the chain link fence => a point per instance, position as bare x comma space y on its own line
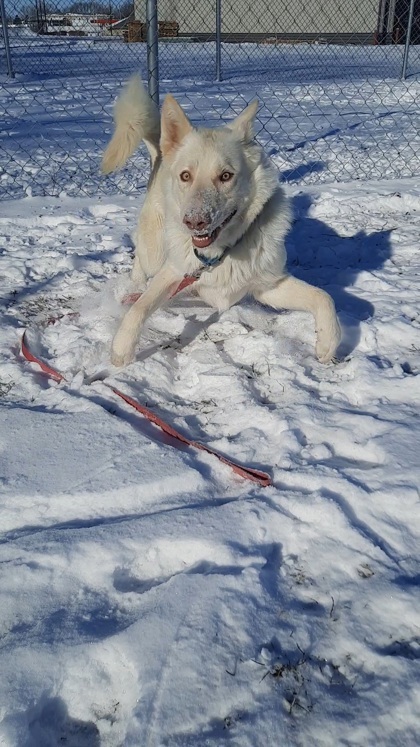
338, 101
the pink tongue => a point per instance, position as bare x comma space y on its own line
202, 242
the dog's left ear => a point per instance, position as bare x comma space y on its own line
243, 125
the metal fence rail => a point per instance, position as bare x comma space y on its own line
337, 83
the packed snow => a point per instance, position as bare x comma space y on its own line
149, 596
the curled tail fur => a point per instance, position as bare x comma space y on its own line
136, 118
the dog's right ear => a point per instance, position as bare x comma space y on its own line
175, 125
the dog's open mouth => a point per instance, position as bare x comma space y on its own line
202, 240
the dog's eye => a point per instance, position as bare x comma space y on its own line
226, 176
185, 176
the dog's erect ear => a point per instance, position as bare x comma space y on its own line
243, 125
175, 125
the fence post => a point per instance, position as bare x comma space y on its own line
152, 49
407, 40
218, 40
10, 71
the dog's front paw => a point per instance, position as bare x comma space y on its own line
328, 340
122, 352
120, 360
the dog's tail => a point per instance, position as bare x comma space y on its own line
136, 118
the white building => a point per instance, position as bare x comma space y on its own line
326, 20
75, 24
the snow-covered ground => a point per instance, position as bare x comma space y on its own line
148, 596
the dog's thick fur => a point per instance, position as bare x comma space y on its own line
210, 189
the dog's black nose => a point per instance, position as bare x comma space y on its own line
197, 223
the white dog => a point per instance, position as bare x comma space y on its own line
215, 209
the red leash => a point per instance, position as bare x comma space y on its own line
255, 475
133, 297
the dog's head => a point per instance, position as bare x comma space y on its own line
210, 171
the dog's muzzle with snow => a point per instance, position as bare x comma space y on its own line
200, 227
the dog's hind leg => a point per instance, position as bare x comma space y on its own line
290, 293
138, 276
149, 255
161, 288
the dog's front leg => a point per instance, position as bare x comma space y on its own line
291, 293
161, 287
